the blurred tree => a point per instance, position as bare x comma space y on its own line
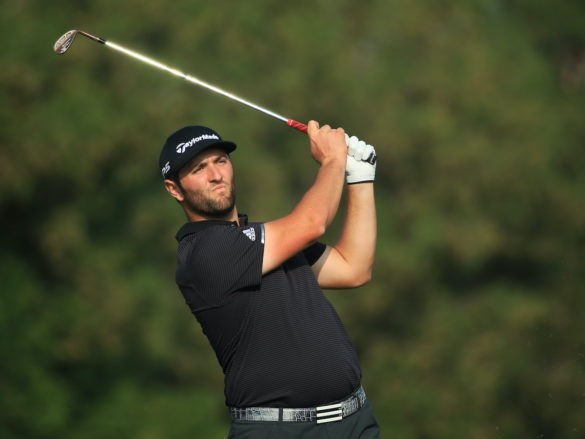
472, 324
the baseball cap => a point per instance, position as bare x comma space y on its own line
186, 143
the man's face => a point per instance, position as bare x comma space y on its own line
207, 183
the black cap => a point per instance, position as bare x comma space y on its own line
186, 143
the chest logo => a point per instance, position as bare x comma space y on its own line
250, 233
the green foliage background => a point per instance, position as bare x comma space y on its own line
473, 324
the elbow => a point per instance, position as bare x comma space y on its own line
361, 278
317, 228
365, 278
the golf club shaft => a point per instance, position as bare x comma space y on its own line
290, 122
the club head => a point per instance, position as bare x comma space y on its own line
63, 43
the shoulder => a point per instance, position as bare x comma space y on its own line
220, 241
221, 257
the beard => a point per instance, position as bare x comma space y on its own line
205, 204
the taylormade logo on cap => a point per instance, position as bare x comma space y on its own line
181, 147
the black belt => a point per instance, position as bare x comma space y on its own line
326, 413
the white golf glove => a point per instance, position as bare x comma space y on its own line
361, 161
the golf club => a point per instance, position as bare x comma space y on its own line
64, 42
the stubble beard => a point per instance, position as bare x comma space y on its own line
200, 203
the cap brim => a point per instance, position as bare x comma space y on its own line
226, 145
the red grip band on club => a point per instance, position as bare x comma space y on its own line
297, 125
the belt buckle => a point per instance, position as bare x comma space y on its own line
329, 413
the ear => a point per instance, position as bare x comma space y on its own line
174, 189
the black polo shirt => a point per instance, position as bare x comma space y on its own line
277, 337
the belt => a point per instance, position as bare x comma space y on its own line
325, 413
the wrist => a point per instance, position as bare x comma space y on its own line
356, 183
334, 162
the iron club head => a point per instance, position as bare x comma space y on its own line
63, 43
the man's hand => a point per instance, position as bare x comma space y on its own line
361, 161
326, 143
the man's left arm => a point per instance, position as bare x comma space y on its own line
349, 263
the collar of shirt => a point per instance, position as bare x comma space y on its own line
198, 226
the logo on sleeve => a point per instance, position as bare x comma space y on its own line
250, 233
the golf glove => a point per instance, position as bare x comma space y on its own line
361, 161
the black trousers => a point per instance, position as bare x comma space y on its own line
360, 425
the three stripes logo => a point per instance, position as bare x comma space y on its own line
329, 413
250, 233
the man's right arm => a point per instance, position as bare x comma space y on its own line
312, 215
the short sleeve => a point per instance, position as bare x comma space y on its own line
314, 252
220, 261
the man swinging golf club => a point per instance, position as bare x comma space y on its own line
255, 288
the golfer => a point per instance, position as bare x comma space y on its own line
256, 288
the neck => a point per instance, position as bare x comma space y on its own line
231, 216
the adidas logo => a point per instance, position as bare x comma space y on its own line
250, 233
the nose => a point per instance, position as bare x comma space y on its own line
213, 173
